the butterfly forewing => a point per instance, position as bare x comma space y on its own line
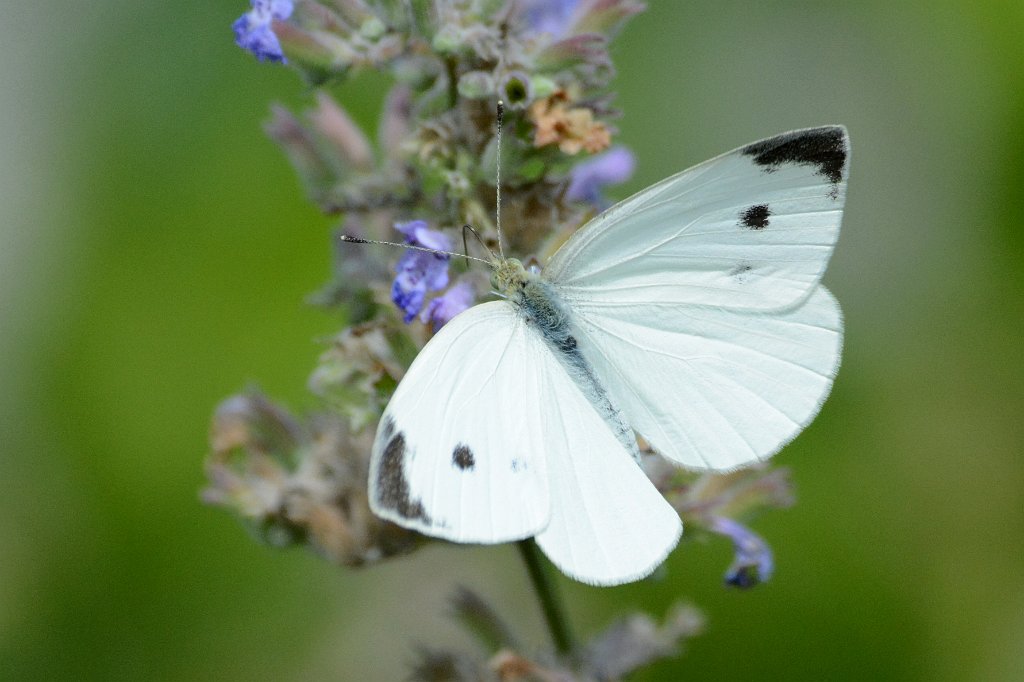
489, 439
752, 229
459, 452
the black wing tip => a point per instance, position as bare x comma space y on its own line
826, 147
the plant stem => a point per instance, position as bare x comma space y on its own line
452, 67
550, 601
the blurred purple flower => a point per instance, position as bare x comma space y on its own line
753, 563
549, 16
449, 304
418, 271
253, 32
588, 178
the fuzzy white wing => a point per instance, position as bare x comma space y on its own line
698, 300
488, 439
713, 388
459, 452
752, 229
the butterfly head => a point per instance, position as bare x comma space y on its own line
509, 275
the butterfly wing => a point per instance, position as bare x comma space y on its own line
488, 439
697, 301
459, 452
752, 229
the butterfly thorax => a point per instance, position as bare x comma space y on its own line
537, 300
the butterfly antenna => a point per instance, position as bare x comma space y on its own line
359, 240
497, 185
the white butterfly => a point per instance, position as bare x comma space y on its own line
691, 313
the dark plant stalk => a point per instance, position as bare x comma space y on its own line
550, 600
452, 68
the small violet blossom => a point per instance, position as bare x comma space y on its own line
418, 271
253, 31
549, 16
449, 304
753, 563
589, 177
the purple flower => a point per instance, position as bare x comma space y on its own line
589, 177
549, 16
449, 304
753, 563
253, 32
418, 271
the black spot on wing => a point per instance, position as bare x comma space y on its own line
462, 457
822, 147
392, 488
755, 217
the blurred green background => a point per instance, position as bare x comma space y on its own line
156, 248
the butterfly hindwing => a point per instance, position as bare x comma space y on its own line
712, 388
459, 452
752, 229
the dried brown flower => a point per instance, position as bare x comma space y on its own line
573, 129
